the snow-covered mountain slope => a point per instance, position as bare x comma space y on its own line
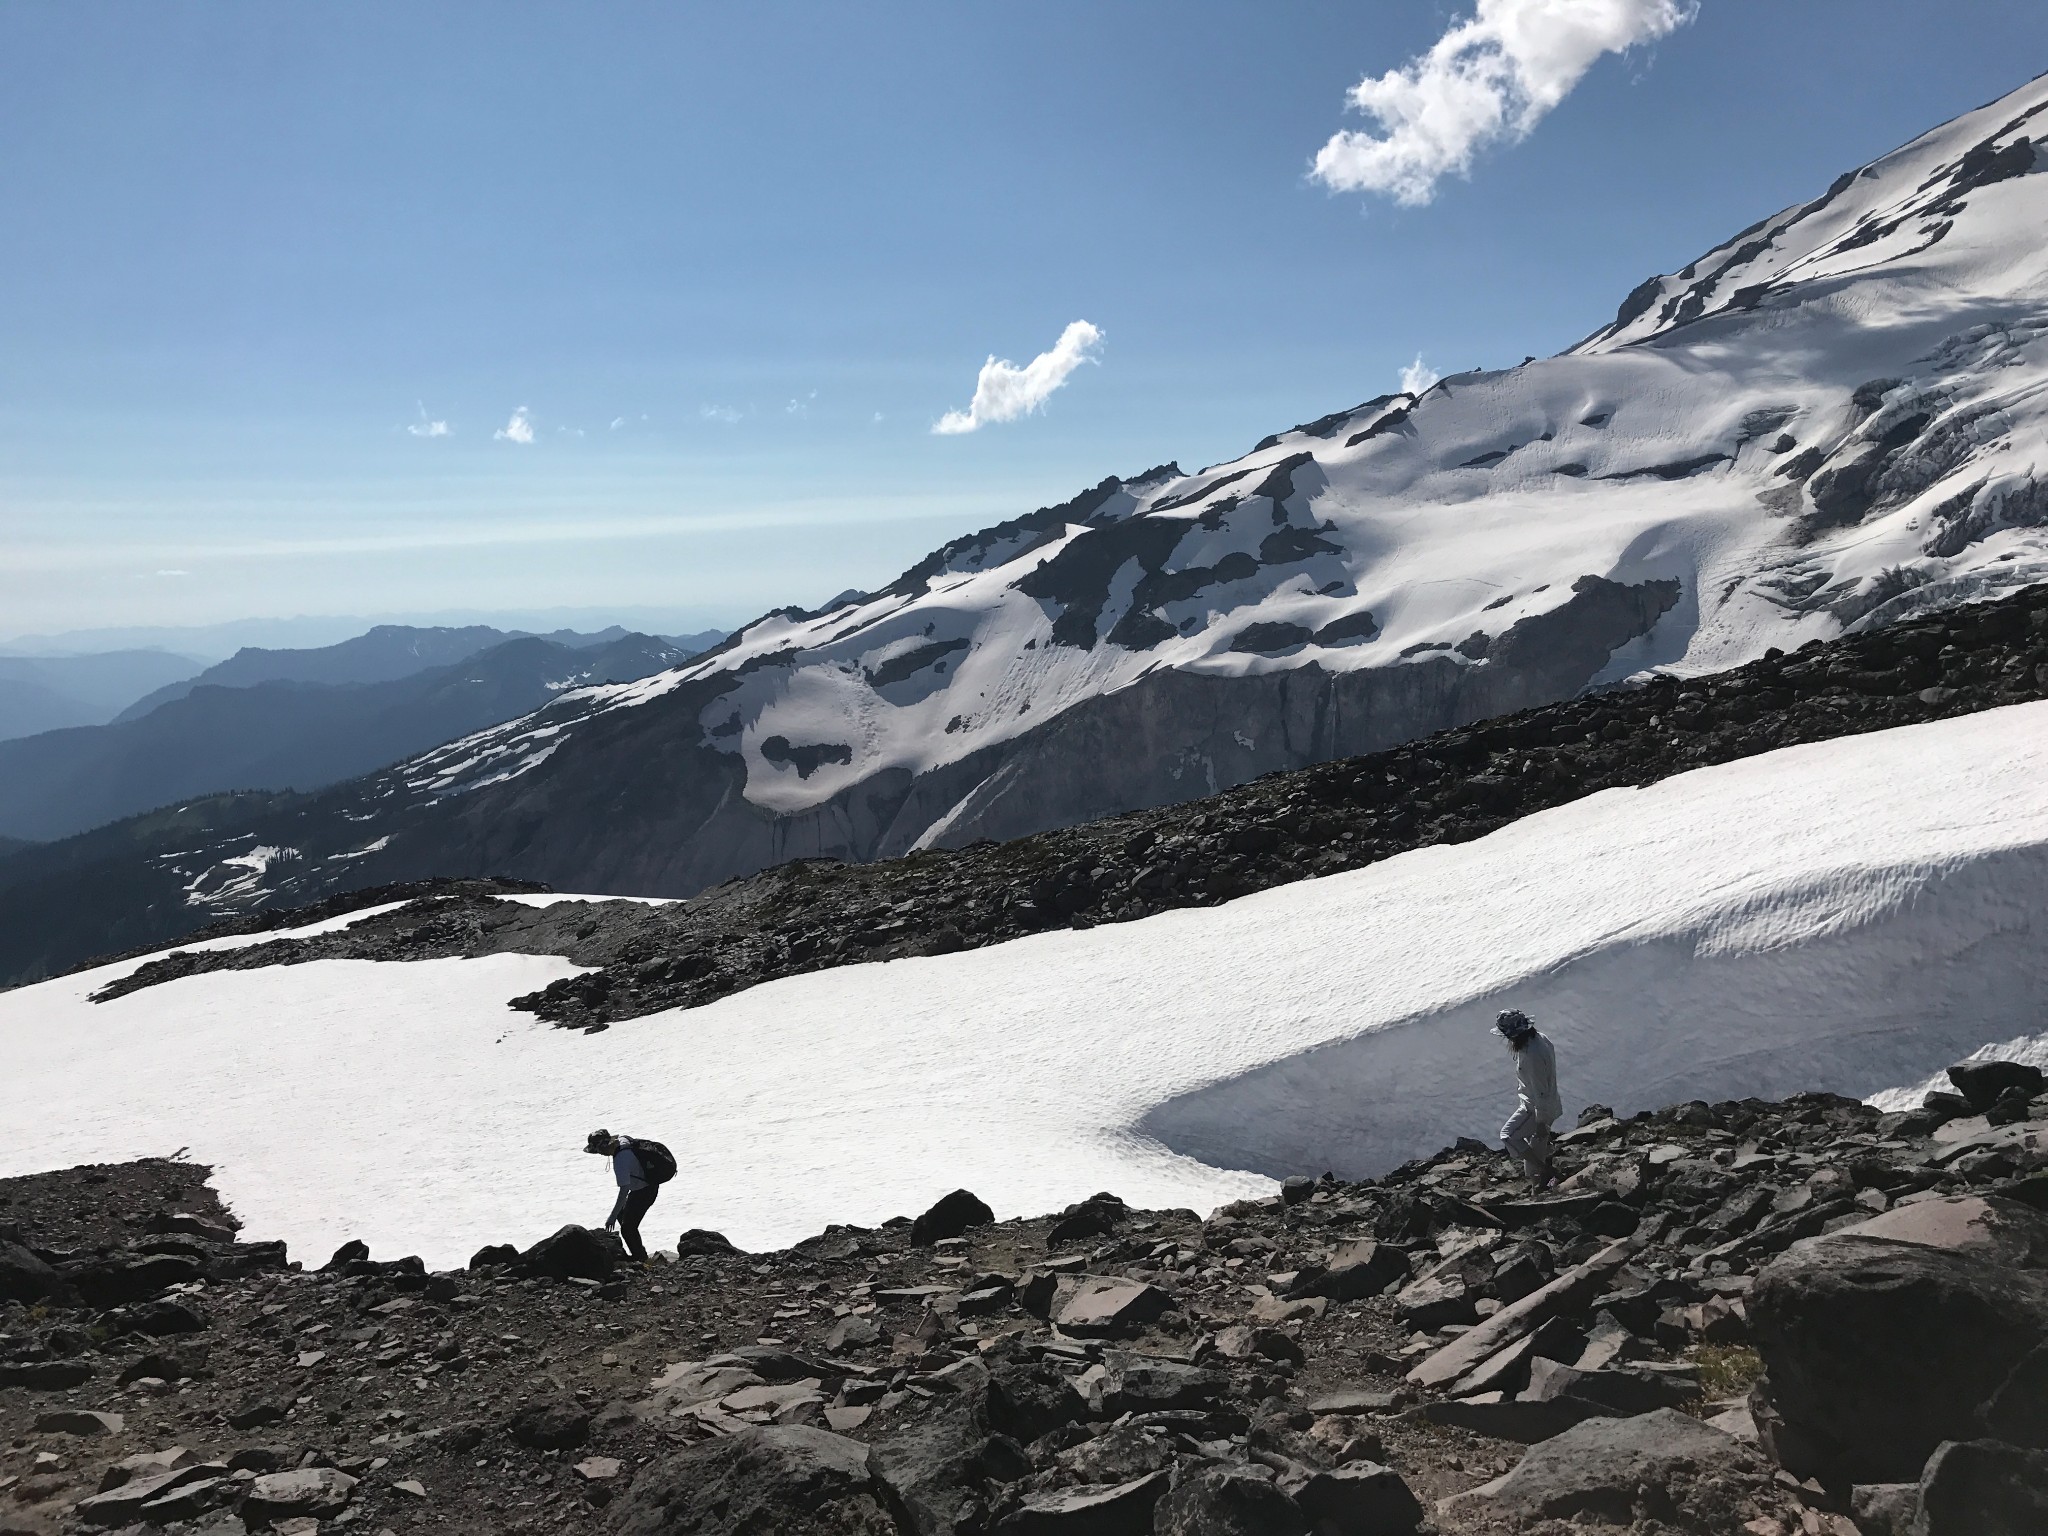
1795, 920
1838, 418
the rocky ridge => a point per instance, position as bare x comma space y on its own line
1747, 1317
1451, 787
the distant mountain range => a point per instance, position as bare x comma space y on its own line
1831, 421
46, 690
49, 693
300, 719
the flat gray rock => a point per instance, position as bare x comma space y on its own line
315, 1491
1596, 1468
1987, 1225
1501, 1418
1103, 1305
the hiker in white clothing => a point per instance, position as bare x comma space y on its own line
1527, 1133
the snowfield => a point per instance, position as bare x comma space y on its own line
1851, 915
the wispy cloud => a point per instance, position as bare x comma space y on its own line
570, 431
518, 430
425, 428
801, 405
1418, 376
1490, 78
174, 573
724, 413
1003, 392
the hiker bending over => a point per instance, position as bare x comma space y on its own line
641, 1167
1527, 1133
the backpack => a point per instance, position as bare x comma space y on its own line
656, 1161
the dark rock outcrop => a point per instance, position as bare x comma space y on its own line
791, 1480
952, 1215
1840, 1322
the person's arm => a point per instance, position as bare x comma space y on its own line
631, 1176
1549, 1105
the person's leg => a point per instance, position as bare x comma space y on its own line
1514, 1136
1536, 1153
629, 1221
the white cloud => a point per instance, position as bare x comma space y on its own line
426, 428
1489, 78
570, 431
617, 422
724, 413
518, 430
174, 573
1004, 391
801, 405
1418, 376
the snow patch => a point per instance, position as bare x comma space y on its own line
1848, 915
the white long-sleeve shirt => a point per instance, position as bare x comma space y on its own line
1536, 1073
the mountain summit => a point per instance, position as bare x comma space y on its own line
1832, 421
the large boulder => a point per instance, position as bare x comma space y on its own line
1983, 1488
1361, 1499
1228, 1501
1124, 1509
1142, 1384
312, 1492
950, 1217
1603, 1469
790, 1480
1878, 1351
1026, 1401
573, 1253
551, 1424
938, 1464
116, 1283
26, 1278
1981, 1082
1097, 1216
1358, 1270
45, 1375
1122, 1453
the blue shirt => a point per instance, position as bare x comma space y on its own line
626, 1167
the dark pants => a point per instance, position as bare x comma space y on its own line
634, 1204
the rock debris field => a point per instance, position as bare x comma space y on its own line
1449, 788
1743, 1317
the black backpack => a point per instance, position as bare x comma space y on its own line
656, 1161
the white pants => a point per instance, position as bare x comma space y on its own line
1529, 1139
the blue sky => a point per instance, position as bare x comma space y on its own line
247, 246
